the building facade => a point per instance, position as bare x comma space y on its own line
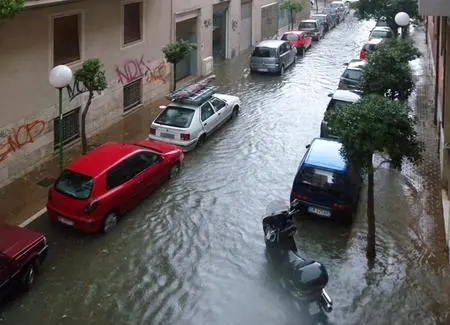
437, 13
128, 37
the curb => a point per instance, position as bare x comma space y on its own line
33, 217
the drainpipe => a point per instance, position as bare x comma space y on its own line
437, 27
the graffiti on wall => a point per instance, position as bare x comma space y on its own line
135, 69
21, 136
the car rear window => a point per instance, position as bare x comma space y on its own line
179, 117
334, 103
265, 52
369, 47
307, 25
380, 34
289, 37
353, 74
323, 180
76, 185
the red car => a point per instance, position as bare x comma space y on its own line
298, 39
369, 47
22, 251
94, 191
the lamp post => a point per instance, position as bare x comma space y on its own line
59, 77
402, 20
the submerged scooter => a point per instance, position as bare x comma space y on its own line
309, 276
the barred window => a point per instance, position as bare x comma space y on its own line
71, 132
132, 95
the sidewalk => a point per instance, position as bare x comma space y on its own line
27, 196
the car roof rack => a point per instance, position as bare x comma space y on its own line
194, 94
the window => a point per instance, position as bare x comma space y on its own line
117, 176
66, 39
178, 117
265, 52
132, 22
325, 180
76, 185
132, 95
307, 25
135, 165
207, 111
290, 37
71, 129
218, 103
149, 158
353, 74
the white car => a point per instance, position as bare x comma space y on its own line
194, 113
381, 32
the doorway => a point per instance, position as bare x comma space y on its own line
220, 20
187, 30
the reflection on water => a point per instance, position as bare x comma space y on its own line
194, 252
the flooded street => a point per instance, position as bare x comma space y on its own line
193, 253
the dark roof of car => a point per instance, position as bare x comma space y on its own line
325, 153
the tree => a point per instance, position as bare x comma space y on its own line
375, 9
176, 52
89, 79
293, 7
388, 72
375, 125
10, 8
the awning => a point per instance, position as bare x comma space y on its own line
434, 7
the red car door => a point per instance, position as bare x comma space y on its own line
155, 171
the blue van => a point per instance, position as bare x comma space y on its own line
326, 185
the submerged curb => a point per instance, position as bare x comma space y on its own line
33, 217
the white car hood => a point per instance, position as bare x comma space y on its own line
227, 98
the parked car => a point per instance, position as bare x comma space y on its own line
351, 79
298, 39
381, 22
381, 32
341, 9
324, 19
92, 192
312, 27
192, 116
326, 185
22, 252
333, 13
338, 99
273, 56
370, 47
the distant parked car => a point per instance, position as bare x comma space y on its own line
341, 8
312, 27
339, 99
92, 192
381, 32
298, 39
273, 56
370, 47
22, 252
351, 79
333, 13
193, 115
324, 19
326, 185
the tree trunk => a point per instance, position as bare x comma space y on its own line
83, 123
370, 253
174, 85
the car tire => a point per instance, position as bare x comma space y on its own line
303, 51
200, 141
281, 72
29, 277
175, 170
235, 112
109, 222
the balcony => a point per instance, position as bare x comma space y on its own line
434, 7
45, 3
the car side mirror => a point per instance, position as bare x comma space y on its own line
330, 95
161, 107
307, 146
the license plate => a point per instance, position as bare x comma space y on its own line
319, 212
167, 135
263, 70
65, 221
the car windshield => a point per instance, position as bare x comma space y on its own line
353, 74
179, 117
380, 34
323, 179
369, 47
307, 25
334, 103
76, 185
289, 37
265, 52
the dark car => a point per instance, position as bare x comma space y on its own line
312, 27
326, 184
22, 251
334, 15
351, 79
325, 20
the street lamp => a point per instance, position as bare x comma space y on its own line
60, 76
402, 20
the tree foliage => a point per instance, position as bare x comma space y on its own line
292, 7
176, 52
90, 79
375, 125
388, 72
10, 8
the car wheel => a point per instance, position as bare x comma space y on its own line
29, 277
175, 170
281, 72
200, 141
303, 50
235, 112
109, 222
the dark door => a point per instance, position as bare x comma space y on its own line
155, 171
220, 31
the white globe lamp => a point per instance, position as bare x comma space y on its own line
402, 19
60, 76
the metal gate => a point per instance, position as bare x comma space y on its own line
246, 25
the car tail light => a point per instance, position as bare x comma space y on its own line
152, 131
91, 207
342, 207
300, 197
185, 136
50, 195
362, 55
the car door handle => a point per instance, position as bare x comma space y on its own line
204, 124
219, 114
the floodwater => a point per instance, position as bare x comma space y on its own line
193, 253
